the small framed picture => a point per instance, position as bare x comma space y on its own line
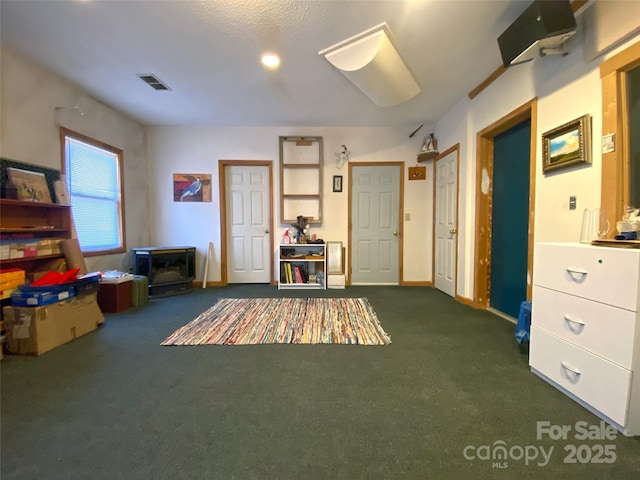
30, 186
337, 183
194, 187
567, 145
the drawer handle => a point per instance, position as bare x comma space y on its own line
577, 322
575, 272
571, 369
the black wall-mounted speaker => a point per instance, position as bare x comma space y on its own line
544, 24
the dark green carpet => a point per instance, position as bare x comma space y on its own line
114, 404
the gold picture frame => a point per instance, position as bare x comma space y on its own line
567, 145
335, 260
30, 186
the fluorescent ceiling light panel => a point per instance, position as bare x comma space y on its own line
373, 64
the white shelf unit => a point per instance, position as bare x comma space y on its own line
301, 179
585, 328
310, 258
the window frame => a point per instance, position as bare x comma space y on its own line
615, 120
67, 133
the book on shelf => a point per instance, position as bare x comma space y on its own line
298, 274
304, 273
291, 272
288, 270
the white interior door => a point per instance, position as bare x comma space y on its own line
248, 212
446, 219
375, 211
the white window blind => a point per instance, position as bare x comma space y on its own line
93, 181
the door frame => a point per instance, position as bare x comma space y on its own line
455, 148
615, 120
483, 214
222, 189
400, 165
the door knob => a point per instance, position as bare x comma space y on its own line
266, 231
452, 231
395, 233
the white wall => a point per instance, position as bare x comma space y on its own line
566, 88
197, 150
30, 133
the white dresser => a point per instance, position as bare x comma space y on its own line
585, 327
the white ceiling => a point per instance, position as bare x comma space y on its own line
208, 53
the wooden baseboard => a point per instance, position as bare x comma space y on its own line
466, 301
416, 284
198, 284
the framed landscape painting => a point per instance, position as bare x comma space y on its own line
567, 145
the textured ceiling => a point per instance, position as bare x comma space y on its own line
208, 53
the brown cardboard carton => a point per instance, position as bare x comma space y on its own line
53, 265
36, 330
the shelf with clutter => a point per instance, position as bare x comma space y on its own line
429, 150
302, 265
301, 258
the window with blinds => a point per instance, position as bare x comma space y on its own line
93, 176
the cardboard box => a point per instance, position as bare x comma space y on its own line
335, 281
7, 293
49, 247
23, 249
15, 252
11, 278
16, 274
36, 330
53, 265
36, 298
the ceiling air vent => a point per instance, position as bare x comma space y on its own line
153, 81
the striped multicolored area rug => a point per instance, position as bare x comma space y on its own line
252, 321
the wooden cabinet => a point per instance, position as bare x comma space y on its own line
30, 232
302, 266
585, 327
301, 179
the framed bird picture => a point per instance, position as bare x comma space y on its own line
191, 187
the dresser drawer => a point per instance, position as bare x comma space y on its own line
602, 329
598, 382
604, 274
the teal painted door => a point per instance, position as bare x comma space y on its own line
510, 219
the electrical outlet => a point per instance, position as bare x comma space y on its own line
572, 202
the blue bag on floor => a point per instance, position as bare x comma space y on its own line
524, 322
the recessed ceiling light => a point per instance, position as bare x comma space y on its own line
270, 60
